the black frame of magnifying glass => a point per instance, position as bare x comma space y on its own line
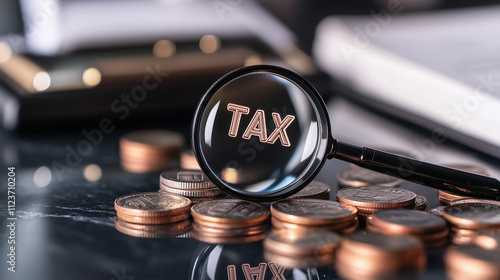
321, 152
435, 176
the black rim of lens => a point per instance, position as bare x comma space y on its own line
308, 174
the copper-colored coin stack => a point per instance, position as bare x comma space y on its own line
361, 177
368, 200
308, 214
229, 221
147, 151
301, 249
315, 189
188, 160
445, 197
193, 184
466, 219
152, 214
430, 229
370, 255
472, 262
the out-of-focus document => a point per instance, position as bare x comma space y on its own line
439, 69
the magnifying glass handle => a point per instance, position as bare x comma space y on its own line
431, 175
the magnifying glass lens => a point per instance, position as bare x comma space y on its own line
261, 133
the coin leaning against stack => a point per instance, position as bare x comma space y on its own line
229, 221
430, 229
138, 213
370, 255
368, 200
152, 150
193, 184
308, 214
301, 249
466, 219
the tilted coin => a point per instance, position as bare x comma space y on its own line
314, 189
150, 204
291, 242
437, 210
376, 197
360, 177
312, 211
230, 211
473, 215
420, 202
186, 179
407, 221
193, 193
476, 200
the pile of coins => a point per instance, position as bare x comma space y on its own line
308, 214
193, 184
152, 214
430, 229
361, 177
315, 189
370, 255
301, 249
466, 219
368, 200
147, 151
229, 221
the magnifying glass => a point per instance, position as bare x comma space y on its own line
262, 133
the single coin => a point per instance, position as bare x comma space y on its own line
476, 200
449, 197
473, 215
300, 243
474, 261
420, 202
230, 211
425, 237
241, 231
279, 224
155, 227
314, 189
361, 177
227, 240
186, 179
152, 204
376, 197
156, 232
402, 221
154, 220
193, 193
469, 168
488, 239
309, 211
152, 139
188, 160
380, 244
437, 210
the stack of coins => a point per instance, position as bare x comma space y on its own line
445, 197
430, 229
301, 249
308, 214
188, 160
150, 150
370, 255
152, 214
193, 184
472, 262
420, 202
315, 189
229, 221
368, 200
361, 177
466, 219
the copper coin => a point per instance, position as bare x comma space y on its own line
152, 139
186, 223
376, 197
361, 177
227, 240
488, 239
425, 237
152, 220
420, 202
156, 233
473, 215
186, 179
230, 211
402, 221
300, 243
449, 197
143, 167
193, 193
152, 204
379, 244
476, 200
302, 262
279, 224
230, 232
473, 260
309, 211
314, 189
188, 160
